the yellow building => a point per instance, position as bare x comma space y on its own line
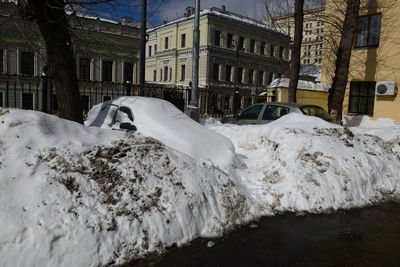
262, 56
373, 76
313, 33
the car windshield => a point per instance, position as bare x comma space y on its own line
251, 113
316, 111
273, 112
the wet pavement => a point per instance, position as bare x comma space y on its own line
360, 237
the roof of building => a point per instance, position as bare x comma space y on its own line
303, 85
214, 11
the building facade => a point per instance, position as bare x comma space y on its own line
235, 53
106, 57
373, 74
313, 33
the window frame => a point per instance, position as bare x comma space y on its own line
183, 40
217, 37
106, 77
28, 70
369, 16
370, 97
84, 69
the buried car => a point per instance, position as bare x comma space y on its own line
266, 112
161, 120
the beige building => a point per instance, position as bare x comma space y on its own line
262, 55
313, 34
374, 76
106, 57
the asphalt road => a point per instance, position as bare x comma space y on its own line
359, 237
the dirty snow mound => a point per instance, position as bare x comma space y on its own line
78, 196
301, 163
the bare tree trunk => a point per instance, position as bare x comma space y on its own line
52, 22
337, 92
296, 50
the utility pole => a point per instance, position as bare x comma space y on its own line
143, 38
236, 92
193, 108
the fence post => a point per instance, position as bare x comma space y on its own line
128, 88
45, 81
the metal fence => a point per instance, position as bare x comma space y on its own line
38, 93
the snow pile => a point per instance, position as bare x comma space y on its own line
85, 196
300, 163
78, 196
367, 122
303, 85
163, 121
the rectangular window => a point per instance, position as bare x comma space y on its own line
262, 48
27, 101
269, 78
170, 74
261, 78
271, 50
128, 72
228, 73
183, 40
165, 73
161, 75
149, 50
154, 75
85, 103
280, 52
183, 72
166, 43
155, 48
217, 38
84, 69
240, 75
362, 97
241, 43
229, 41
251, 76
216, 72
252, 46
368, 31
27, 63
107, 71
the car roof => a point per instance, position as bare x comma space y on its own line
290, 105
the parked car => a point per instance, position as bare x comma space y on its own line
266, 112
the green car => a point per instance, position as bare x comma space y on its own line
266, 112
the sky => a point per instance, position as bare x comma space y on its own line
160, 10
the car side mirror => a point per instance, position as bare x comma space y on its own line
127, 126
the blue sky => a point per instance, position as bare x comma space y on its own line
159, 10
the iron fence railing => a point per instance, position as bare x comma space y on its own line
38, 93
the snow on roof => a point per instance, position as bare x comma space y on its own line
303, 85
223, 14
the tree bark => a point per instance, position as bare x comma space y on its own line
339, 83
296, 50
51, 19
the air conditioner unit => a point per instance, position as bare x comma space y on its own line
386, 88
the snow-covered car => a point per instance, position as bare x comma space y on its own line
161, 120
266, 112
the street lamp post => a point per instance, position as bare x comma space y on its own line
193, 108
236, 92
143, 46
